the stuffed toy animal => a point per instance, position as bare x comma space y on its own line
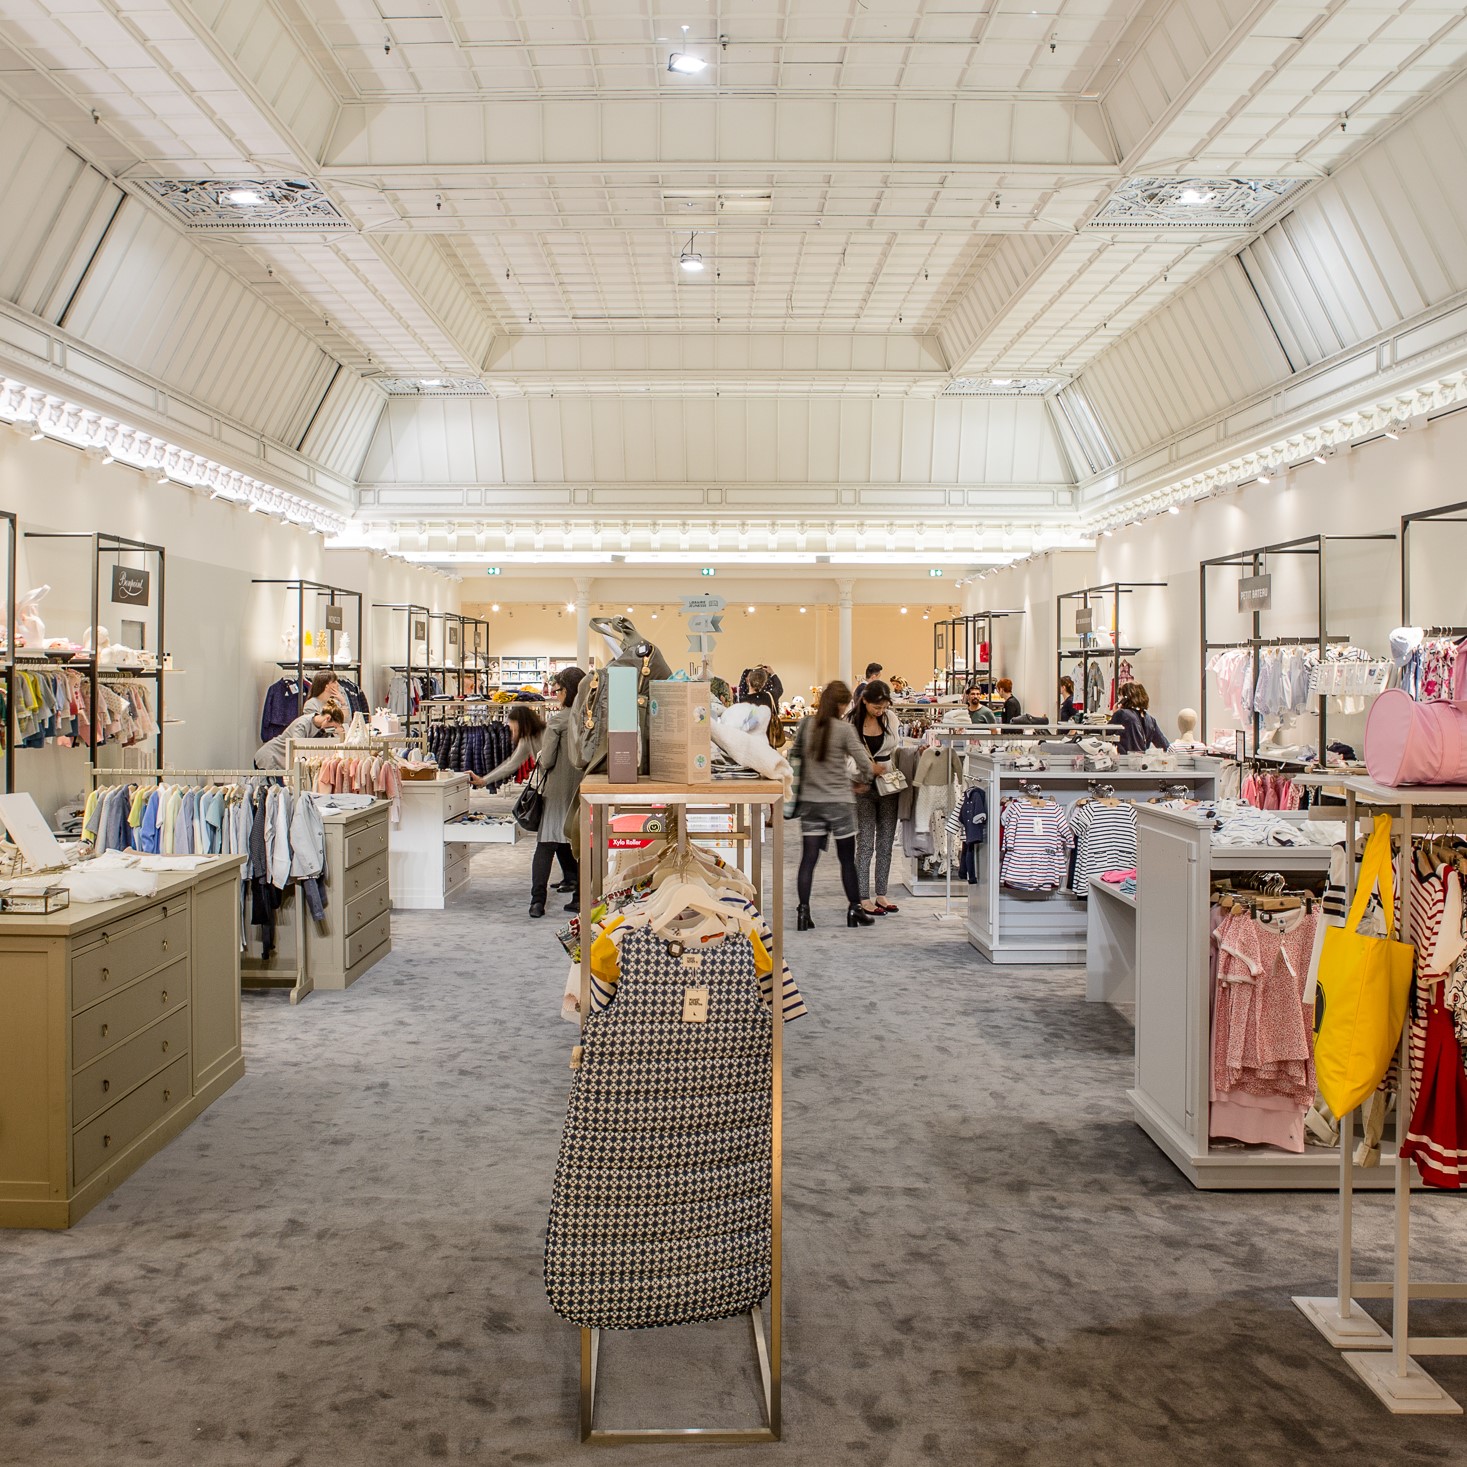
30, 630
742, 732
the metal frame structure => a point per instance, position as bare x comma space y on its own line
301, 663
1255, 562
747, 799
1086, 654
1386, 1361
1447, 514
7, 652
408, 667
945, 637
116, 545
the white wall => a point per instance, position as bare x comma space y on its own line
1364, 492
224, 633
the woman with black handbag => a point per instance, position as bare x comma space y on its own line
551, 791
876, 803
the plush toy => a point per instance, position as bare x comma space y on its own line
30, 630
742, 732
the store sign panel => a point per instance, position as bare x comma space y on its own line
703, 603
1084, 619
335, 618
1255, 593
130, 587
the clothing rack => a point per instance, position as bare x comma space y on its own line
305, 667
747, 799
966, 635
1253, 563
1387, 1362
1088, 652
1446, 514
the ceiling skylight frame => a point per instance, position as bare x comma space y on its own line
291, 204
1190, 204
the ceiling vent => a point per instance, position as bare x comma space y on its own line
1175, 204
1001, 386
246, 203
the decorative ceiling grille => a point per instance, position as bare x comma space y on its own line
1193, 203
246, 203
432, 387
1000, 386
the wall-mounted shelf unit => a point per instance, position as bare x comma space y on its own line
326, 613
1077, 649
963, 651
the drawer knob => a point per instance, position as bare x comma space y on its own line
167, 1096
104, 1031
106, 1086
106, 1140
165, 911
106, 937
165, 944
165, 995
165, 1046
106, 974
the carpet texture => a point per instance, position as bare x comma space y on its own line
985, 1260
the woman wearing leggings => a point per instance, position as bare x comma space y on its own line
828, 801
876, 814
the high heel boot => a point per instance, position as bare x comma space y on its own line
803, 921
858, 916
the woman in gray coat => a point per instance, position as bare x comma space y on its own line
545, 740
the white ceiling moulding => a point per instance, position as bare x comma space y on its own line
290, 204
42, 415
431, 386
1388, 418
1002, 386
1173, 205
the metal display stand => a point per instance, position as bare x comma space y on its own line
1387, 1362
962, 639
1255, 563
117, 548
409, 667
1447, 514
302, 665
1171, 1101
1021, 927
748, 799
8, 526
1070, 659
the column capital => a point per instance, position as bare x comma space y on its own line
583, 588
847, 590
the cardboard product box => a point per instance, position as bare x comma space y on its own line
680, 732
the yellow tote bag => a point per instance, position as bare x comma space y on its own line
1363, 986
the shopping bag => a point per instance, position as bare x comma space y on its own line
1364, 983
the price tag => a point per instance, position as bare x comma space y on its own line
695, 1005
1038, 826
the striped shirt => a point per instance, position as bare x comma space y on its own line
1036, 840
1105, 840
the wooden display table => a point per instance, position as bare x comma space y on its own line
121, 1024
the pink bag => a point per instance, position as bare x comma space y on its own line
1407, 742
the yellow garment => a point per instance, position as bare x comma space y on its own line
139, 800
606, 957
87, 813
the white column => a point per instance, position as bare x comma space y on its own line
583, 622
843, 662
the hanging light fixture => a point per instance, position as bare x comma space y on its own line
681, 62
690, 260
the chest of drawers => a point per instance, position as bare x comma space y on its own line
426, 868
356, 931
121, 1024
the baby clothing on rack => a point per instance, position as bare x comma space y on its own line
1035, 840
1105, 839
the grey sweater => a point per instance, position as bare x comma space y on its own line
828, 780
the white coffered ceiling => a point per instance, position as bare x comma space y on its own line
888, 196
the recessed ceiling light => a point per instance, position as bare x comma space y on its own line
495, 607
687, 65
1265, 479
245, 196
1174, 509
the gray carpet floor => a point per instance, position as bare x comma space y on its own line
986, 1261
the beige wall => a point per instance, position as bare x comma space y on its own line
802, 647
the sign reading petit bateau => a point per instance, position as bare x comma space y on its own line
130, 587
1255, 593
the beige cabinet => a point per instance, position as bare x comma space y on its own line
427, 865
356, 931
121, 1023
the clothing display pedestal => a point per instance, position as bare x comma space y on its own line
1009, 926
356, 932
1110, 947
428, 867
121, 1025
1171, 1099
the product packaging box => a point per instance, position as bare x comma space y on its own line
623, 744
679, 733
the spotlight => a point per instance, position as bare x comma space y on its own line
1265, 478
690, 260
495, 607
685, 64
37, 436
1174, 509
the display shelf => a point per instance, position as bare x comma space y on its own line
958, 644
316, 606
1171, 1099
1111, 596
138, 574
1254, 563
427, 867
1110, 947
1009, 926
416, 647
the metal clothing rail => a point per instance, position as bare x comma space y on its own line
1254, 562
1446, 514
747, 799
1386, 1362
1087, 653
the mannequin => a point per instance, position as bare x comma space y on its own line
1186, 741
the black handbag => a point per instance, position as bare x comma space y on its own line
529, 809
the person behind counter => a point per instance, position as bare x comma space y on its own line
978, 710
1067, 710
1139, 730
324, 722
1012, 708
